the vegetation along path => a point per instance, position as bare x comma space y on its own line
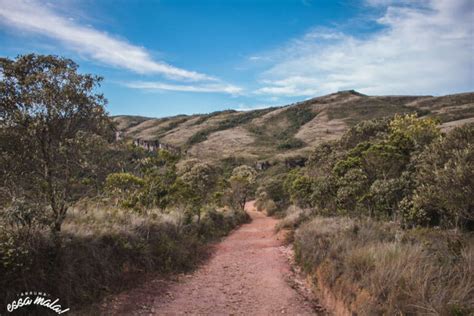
248, 274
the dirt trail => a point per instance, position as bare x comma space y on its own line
245, 276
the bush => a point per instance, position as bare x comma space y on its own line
365, 131
379, 163
298, 186
445, 183
273, 188
291, 143
270, 207
216, 224
124, 188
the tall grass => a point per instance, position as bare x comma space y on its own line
103, 250
378, 269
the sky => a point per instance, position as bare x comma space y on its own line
168, 57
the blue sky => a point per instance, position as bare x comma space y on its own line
163, 58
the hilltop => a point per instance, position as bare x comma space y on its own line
280, 132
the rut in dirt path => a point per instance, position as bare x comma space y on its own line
246, 275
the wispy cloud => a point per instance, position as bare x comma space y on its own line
34, 17
204, 87
425, 47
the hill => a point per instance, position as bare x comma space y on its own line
281, 132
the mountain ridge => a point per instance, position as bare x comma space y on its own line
285, 131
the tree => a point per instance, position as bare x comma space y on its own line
48, 111
195, 187
124, 187
242, 185
273, 189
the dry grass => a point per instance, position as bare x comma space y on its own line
321, 129
335, 112
180, 135
446, 127
127, 121
102, 247
226, 143
294, 217
377, 268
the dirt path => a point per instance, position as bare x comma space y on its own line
245, 276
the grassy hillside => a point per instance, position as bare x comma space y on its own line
277, 133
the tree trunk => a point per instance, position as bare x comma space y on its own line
57, 224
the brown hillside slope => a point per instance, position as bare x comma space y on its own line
278, 133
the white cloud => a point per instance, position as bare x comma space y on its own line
377, 3
33, 17
290, 86
244, 107
205, 87
424, 49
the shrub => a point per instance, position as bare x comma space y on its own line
124, 188
365, 131
273, 188
445, 182
298, 187
270, 207
291, 143
421, 131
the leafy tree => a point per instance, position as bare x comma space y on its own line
242, 185
47, 112
299, 187
273, 189
150, 185
125, 188
195, 186
159, 175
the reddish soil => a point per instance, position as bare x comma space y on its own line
248, 274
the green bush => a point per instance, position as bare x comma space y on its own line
273, 188
378, 164
291, 143
445, 182
299, 187
124, 188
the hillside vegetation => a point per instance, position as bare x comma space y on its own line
278, 133
382, 219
